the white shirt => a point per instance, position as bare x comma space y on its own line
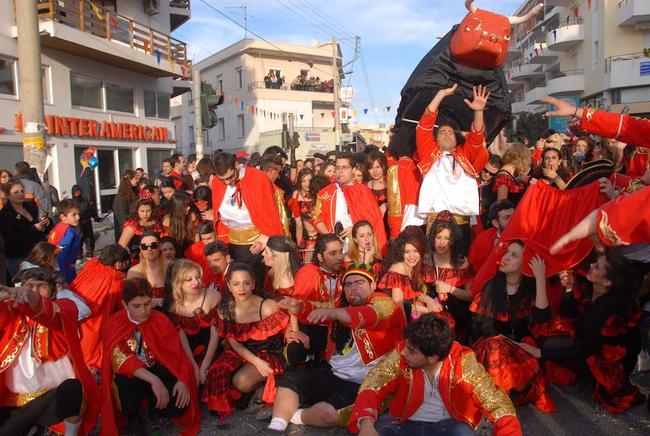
432, 408
350, 367
342, 211
447, 188
232, 215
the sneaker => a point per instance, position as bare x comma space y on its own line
265, 413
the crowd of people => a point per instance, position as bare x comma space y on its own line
386, 294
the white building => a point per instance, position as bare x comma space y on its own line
252, 114
108, 75
592, 52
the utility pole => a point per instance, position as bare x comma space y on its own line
31, 85
198, 125
337, 103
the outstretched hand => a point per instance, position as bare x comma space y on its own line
563, 108
446, 92
480, 99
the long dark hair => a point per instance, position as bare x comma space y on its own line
446, 221
301, 175
180, 223
415, 237
125, 189
135, 215
226, 306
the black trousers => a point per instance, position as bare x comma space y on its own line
314, 385
87, 238
242, 253
296, 351
132, 391
48, 409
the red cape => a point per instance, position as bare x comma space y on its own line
362, 205
543, 215
195, 253
57, 233
162, 339
101, 288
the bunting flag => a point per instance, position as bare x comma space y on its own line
117, 29
236, 100
96, 10
589, 4
302, 116
387, 108
365, 111
555, 35
576, 11
241, 108
169, 56
322, 114
183, 70
158, 56
146, 47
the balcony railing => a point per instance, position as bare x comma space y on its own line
556, 74
182, 4
87, 17
327, 86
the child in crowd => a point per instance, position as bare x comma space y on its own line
65, 235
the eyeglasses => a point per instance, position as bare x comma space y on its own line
152, 246
489, 172
229, 178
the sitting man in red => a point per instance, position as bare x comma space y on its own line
341, 204
362, 330
43, 378
450, 170
403, 181
195, 252
144, 359
436, 385
244, 211
499, 215
218, 260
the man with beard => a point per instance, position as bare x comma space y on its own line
363, 317
499, 214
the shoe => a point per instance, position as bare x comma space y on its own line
265, 413
135, 427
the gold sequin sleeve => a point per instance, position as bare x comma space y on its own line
384, 307
385, 372
493, 401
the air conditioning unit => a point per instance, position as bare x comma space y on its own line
151, 7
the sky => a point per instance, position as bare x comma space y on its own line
395, 35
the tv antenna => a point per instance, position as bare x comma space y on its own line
244, 13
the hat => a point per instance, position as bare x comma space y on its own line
360, 269
593, 170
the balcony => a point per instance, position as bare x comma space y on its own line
539, 53
629, 70
526, 71
534, 95
634, 13
284, 91
84, 29
565, 37
179, 13
566, 83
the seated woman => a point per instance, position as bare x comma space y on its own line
43, 255
601, 338
181, 221
552, 169
403, 279
152, 266
512, 179
141, 220
505, 312
254, 328
192, 310
301, 204
450, 272
363, 247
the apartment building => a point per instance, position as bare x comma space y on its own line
265, 84
109, 70
589, 51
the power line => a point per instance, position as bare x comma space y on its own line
287, 9
365, 75
316, 20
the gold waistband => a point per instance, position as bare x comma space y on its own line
460, 219
243, 236
11, 399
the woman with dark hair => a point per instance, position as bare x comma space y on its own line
5, 175
203, 200
552, 169
376, 166
602, 337
450, 271
124, 200
360, 173
301, 204
152, 265
505, 314
306, 248
168, 248
142, 219
254, 328
363, 247
20, 225
328, 169
43, 255
180, 221
404, 271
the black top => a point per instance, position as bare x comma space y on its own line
19, 233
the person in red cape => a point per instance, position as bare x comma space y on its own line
100, 283
434, 385
272, 166
244, 211
403, 180
341, 204
196, 251
499, 215
364, 327
144, 359
43, 377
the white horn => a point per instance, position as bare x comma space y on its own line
470, 7
529, 16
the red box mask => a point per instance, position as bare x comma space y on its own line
481, 40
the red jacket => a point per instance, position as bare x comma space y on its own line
467, 391
625, 128
471, 155
618, 225
195, 253
481, 248
403, 181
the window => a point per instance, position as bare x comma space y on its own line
241, 126
594, 55
8, 85
119, 98
156, 104
191, 134
190, 99
221, 129
86, 91
240, 78
154, 160
45, 76
220, 83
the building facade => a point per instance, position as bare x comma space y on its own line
264, 85
588, 51
109, 70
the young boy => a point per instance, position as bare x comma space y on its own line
66, 236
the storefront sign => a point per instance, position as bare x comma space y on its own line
644, 68
84, 128
312, 137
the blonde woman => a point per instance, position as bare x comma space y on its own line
192, 309
152, 265
512, 179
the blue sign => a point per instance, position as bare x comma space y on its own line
644, 68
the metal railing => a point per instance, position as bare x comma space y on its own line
322, 87
88, 17
623, 57
570, 21
556, 74
182, 4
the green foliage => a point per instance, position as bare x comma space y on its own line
529, 126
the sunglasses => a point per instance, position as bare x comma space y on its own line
490, 173
152, 246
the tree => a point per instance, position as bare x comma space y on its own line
530, 126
